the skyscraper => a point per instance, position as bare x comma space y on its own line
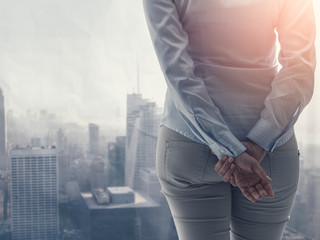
94, 139
116, 160
3, 154
98, 178
150, 183
64, 160
34, 188
134, 101
142, 131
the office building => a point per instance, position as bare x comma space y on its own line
150, 183
3, 153
121, 219
134, 101
63, 161
98, 177
93, 139
35, 142
116, 160
34, 189
142, 131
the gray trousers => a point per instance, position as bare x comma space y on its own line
206, 208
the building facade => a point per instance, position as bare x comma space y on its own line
34, 188
98, 177
121, 220
142, 132
116, 161
150, 183
93, 139
3, 153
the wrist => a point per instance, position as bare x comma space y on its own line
253, 143
256, 146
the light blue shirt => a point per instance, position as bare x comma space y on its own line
219, 61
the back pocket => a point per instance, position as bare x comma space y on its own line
185, 162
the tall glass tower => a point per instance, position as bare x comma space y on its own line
94, 139
142, 131
3, 154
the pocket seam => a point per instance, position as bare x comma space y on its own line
166, 160
204, 167
174, 144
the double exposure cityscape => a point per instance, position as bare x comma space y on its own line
64, 181
80, 109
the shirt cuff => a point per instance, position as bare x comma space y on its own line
235, 148
265, 134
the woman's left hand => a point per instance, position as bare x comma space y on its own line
225, 167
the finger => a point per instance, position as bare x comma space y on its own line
220, 163
268, 188
227, 176
261, 173
226, 165
232, 181
255, 193
260, 189
247, 194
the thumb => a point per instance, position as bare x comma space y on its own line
260, 172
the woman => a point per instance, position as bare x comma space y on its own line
229, 108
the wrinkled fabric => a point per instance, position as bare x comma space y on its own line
220, 65
206, 208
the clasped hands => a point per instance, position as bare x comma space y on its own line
245, 172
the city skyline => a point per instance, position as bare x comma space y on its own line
3, 144
67, 64
83, 171
79, 63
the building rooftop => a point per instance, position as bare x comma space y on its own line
141, 201
28, 150
119, 190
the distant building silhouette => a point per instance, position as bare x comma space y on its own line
93, 139
142, 131
34, 188
64, 161
150, 183
116, 160
35, 142
98, 178
134, 101
3, 153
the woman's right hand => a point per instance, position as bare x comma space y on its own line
249, 164
252, 186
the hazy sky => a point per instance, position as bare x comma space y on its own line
80, 57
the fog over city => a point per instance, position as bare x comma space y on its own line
79, 59
81, 93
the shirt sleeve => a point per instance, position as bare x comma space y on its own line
292, 87
188, 91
